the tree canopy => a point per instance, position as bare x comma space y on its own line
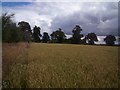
76, 37
10, 32
26, 29
45, 37
91, 38
58, 35
36, 34
23, 32
109, 39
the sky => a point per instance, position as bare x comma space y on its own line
98, 17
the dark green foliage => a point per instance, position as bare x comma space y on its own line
45, 37
10, 32
24, 26
76, 34
7, 25
53, 35
58, 36
26, 30
91, 38
36, 34
6, 20
110, 40
83, 41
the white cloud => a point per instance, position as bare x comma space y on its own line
52, 15
60, 0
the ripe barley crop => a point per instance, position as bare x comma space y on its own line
65, 65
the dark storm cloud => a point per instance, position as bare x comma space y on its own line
101, 18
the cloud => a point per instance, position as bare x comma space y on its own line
92, 19
60, 0
101, 18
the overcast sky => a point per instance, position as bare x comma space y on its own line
98, 17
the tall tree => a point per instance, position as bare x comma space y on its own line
91, 37
110, 40
76, 37
36, 34
58, 35
10, 32
6, 20
26, 29
45, 37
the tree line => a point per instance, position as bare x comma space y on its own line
12, 32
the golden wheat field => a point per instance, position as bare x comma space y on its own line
59, 66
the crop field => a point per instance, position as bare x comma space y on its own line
59, 66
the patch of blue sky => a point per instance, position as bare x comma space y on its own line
12, 4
